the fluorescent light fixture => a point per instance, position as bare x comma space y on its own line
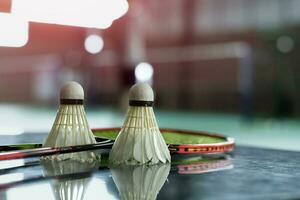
83, 13
13, 31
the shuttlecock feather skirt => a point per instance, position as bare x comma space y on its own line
140, 141
71, 128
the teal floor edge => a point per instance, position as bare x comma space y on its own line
259, 132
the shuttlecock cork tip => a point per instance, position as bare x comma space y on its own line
72, 90
141, 92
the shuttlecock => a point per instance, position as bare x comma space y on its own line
139, 140
141, 182
79, 176
70, 126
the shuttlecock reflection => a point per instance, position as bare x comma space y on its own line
141, 182
72, 186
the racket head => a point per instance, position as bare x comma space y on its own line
182, 141
178, 141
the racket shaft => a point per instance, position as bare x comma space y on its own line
47, 151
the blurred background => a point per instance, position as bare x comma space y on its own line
225, 66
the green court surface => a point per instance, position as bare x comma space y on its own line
171, 137
260, 132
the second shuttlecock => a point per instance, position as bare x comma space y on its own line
140, 141
70, 126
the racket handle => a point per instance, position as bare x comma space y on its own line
47, 151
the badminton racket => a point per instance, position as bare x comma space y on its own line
222, 145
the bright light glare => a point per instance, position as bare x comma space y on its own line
13, 31
143, 72
87, 13
93, 44
34, 191
4, 164
6, 178
97, 187
11, 130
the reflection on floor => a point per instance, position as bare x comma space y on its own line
261, 132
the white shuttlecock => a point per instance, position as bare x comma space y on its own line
141, 182
69, 188
140, 141
70, 126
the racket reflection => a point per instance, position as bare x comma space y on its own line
200, 164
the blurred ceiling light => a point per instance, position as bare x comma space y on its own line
93, 44
143, 72
285, 44
87, 13
13, 31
